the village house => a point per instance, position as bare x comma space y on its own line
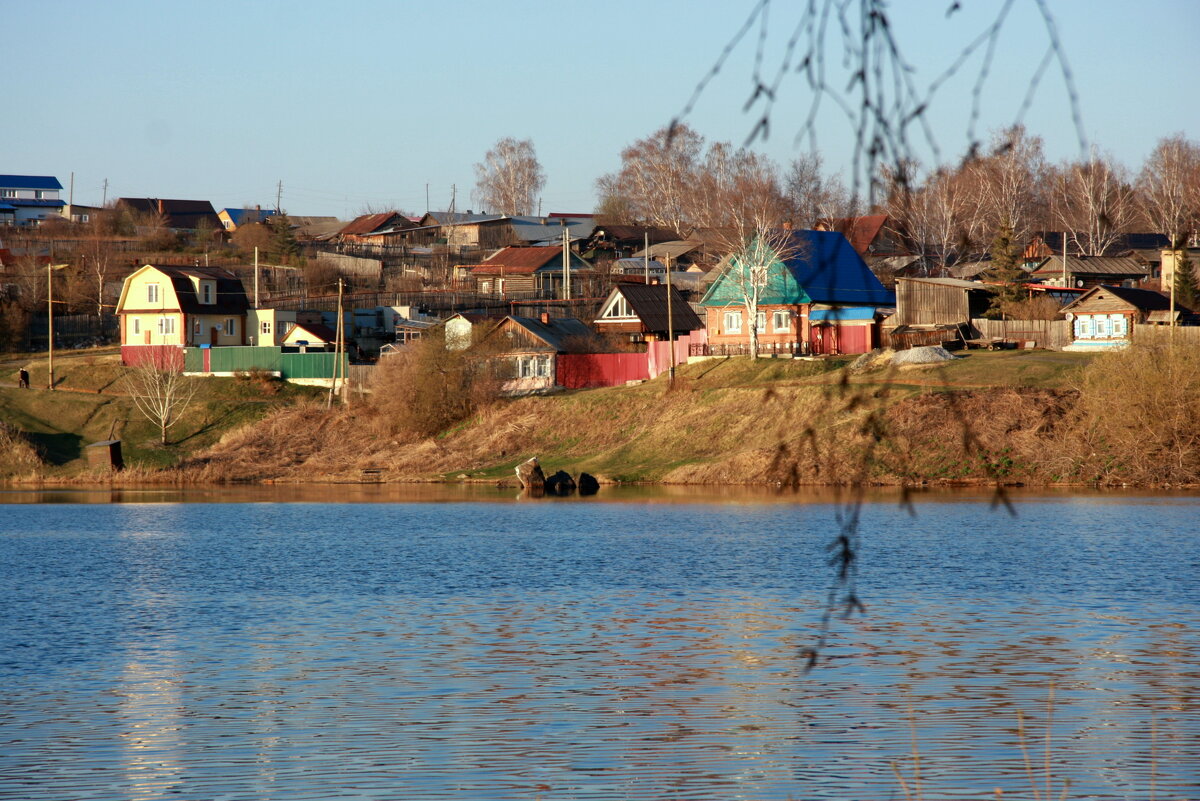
175, 215
232, 218
531, 348
639, 313
1084, 272
29, 200
531, 272
936, 311
1104, 317
368, 228
822, 300
167, 308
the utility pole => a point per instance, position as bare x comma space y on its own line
104, 201
337, 350
427, 196
670, 330
278, 197
256, 276
566, 264
71, 196
646, 256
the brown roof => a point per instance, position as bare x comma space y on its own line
1143, 299
861, 231
183, 214
1092, 265
321, 332
649, 303
372, 222
518, 260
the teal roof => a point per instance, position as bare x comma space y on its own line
781, 288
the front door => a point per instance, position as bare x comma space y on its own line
213, 339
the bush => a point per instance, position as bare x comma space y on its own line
425, 389
17, 453
1138, 416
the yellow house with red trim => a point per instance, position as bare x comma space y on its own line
175, 307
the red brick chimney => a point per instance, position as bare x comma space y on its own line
545, 318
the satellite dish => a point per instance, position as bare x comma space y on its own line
1079, 282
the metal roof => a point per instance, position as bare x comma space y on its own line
649, 303
29, 182
955, 282
558, 332
1092, 265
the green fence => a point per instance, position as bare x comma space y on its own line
247, 359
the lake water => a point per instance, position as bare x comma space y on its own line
457, 644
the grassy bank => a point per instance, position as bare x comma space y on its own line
1017, 417
90, 403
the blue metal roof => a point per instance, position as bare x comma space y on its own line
831, 271
237, 215
27, 203
29, 182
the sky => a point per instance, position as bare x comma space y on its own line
367, 105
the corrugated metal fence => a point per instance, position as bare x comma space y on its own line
249, 359
583, 370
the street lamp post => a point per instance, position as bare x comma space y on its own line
50, 268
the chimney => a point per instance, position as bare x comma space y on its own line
160, 206
545, 318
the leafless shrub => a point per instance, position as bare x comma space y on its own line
1136, 418
17, 453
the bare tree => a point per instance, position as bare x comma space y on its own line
1007, 186
750, 265
509, 178
655, 178
159, 389
935, 216
1094, 203
1169, 188
814, 196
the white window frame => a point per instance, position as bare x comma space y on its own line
265, 327
1119, 325
781, 321
152, 293
1101, 324
761, 322
166, 326
197, 329
206, 293
231, 326
732, 323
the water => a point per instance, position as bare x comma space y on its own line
470, 647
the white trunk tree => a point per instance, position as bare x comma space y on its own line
509, 178
160, 391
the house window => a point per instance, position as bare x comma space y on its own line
533, 366
733, 322
8, 193
137, 326
619, 309
1119, 326
206, 292
781, 320
1085, 328
1101, 327
196, 329
760, 322
152, 293
231, 326
265, 327
166, 325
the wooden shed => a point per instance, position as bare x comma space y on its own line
106, 454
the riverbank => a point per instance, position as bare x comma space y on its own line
1009, 418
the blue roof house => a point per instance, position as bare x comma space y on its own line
821, 299
29, 199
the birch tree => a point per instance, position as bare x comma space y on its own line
510, 177
656, 177
1169, 189
1093, 203
159, 390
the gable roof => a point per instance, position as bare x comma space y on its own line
824, 269
238, 216
1092, 265
435, 218
182, 214
524, 259
860, 231
368, 223
231, 296
321, 334
29, 182
649, 303
555, 333
1146, 300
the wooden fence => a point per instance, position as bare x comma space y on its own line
1162, 335
1051, 334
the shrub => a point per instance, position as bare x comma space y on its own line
17, 453
1138, 416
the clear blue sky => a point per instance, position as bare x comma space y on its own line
352, 104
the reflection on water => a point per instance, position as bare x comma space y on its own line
588, 649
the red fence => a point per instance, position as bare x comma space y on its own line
581, 370
164, 357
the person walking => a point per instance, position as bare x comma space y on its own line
23, 378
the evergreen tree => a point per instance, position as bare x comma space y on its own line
1186, 291
1006, 269
283, 242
